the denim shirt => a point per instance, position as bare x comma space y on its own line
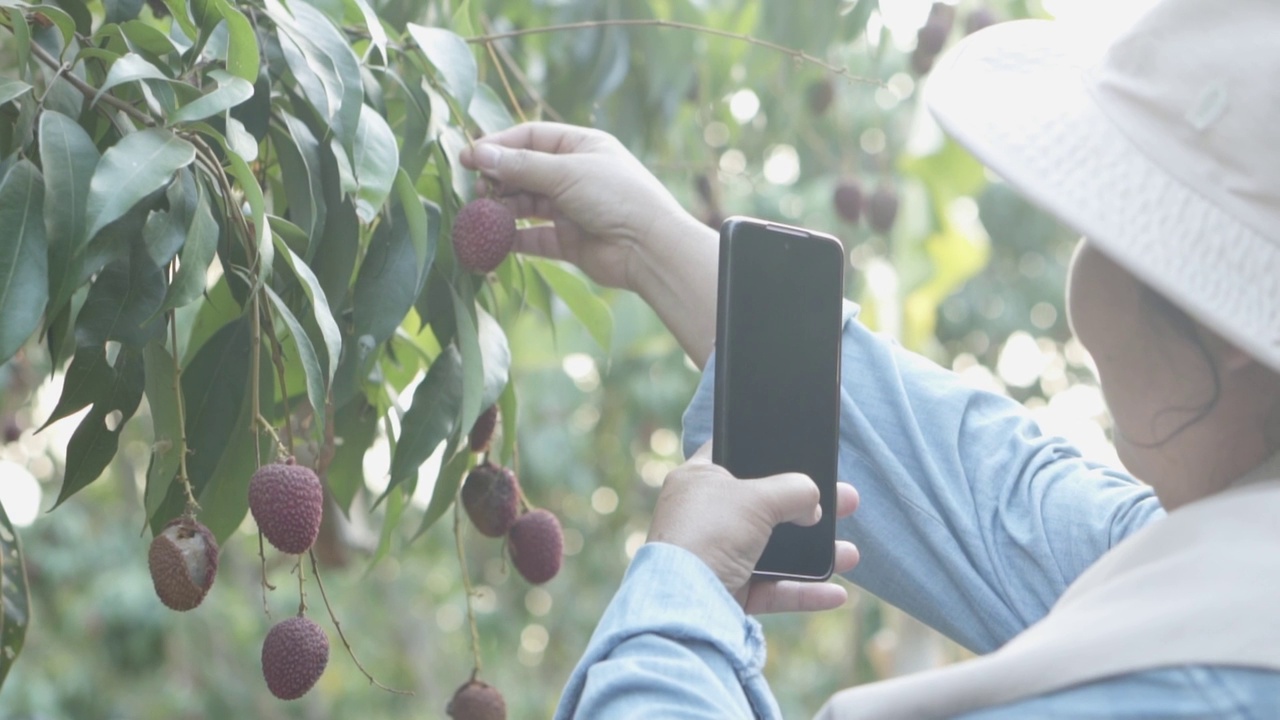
971, 520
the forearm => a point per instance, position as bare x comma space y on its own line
676, 274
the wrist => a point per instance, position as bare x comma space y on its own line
675, 273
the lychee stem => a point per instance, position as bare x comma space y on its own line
266, 584
315, 570
277, 359
192, 506
502, 74
302, 587
466, 582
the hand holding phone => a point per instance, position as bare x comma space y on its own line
777, 382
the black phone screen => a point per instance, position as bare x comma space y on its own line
777, 394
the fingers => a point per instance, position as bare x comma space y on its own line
543, 137
789, 497
703, 453
789, 596
847, 556
521, 169
846, 499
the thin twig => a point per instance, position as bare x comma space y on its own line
315, 570
90, 91
277, 359
266, 584
798, 55
511, 96
466, 584
520, 77
192, 506
302, 587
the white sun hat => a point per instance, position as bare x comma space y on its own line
1163, 150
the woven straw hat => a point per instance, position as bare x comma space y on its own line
1163, 150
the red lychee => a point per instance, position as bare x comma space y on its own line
476, 700
848, 200
491, 497
882, 208
287, 502
536, 544
294, 656
483, 233
482, 431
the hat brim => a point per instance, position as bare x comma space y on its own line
1015, 95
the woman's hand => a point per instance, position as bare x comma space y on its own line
611, 217
726, 522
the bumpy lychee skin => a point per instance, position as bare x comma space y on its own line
184, 561
294, 656
287, 502
536, 544
848, 200
482, 432
476, 700
882, 208
491, 497
483, 233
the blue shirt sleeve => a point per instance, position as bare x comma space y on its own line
972, 520
673, 643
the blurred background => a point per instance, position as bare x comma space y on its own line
961, 270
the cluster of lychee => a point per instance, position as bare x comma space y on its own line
287, 502
880, 208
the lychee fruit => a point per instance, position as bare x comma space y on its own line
483, 233
848, 200
491, 497
536, 544
882, 208
294, 656
482, 431
476, 700
287, 502
184, 560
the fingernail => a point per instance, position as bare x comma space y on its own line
487, 156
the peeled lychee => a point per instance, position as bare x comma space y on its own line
476, 700
536, 544
482, 431
294, 656
287, 502
882, 208
491, 497
483, 233
848, 200
184, 560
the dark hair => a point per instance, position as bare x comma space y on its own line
1187, 328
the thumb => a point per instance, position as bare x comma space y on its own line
788, 497
518, 168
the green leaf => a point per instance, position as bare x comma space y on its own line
355, 425
197, 254
486, 361
306, 353
257, 209
144, 37
69, 159
388, 280
508, 411
319, 307
242, 43
10, 89
95, 441
424, 223
577, 295
430, 418
166, 444
324, 66
231, 91
86, 376
396, 502
334, 261
22, 39
118, 11
178, 9
123, 303
446, 488
24, 257
15, 597
377, 34
138, 165
129, 68
375, 161
488, 110
452, 59
299, 154
165, 232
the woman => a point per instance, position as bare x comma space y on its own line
1165, 154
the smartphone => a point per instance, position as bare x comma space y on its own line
777, 375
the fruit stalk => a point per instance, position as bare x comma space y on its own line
192, 506
315, 570
466, 583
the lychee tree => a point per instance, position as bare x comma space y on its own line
244, 213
